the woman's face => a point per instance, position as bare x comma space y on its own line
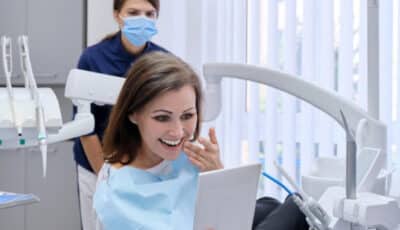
135, 8
166, 122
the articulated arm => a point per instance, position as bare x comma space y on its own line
369, 132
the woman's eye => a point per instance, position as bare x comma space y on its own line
161, 118
187, 116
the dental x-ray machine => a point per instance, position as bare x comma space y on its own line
363, 203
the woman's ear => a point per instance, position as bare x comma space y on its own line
133, 118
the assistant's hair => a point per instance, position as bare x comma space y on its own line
151, 76
117, 6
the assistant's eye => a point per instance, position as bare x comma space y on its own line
151, 14
187, 116
161, 118
134, 13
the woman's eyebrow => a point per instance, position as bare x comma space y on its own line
162, 110
169, 112
191, 108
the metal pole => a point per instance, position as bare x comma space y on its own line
373, 57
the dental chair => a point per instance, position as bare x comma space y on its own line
330, 171
360, 202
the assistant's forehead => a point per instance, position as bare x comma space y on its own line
142, 5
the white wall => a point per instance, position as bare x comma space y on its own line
100, 21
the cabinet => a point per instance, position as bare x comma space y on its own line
56, 37
21, 172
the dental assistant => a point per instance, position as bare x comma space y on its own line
113, 55
149, 178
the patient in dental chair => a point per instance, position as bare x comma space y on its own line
150, 176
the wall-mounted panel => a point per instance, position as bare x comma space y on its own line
55, 29
100, 20
12, 23
58, 191
12, 174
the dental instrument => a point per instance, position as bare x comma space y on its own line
30, 79
316, 216
8, 65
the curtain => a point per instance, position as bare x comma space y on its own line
324, 42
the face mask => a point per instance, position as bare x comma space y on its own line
139, 29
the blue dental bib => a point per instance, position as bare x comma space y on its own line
130, 198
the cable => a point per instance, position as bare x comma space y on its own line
276, 181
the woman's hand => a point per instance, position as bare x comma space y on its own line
206, 156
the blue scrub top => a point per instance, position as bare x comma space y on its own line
108, 57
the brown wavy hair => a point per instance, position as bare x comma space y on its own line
151, 76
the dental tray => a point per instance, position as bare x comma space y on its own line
8, 200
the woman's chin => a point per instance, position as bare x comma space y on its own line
171, 152
171, 155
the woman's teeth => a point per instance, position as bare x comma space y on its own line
171, 143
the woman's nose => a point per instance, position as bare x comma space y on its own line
176, 129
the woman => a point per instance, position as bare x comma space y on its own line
113, 55
150, 176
